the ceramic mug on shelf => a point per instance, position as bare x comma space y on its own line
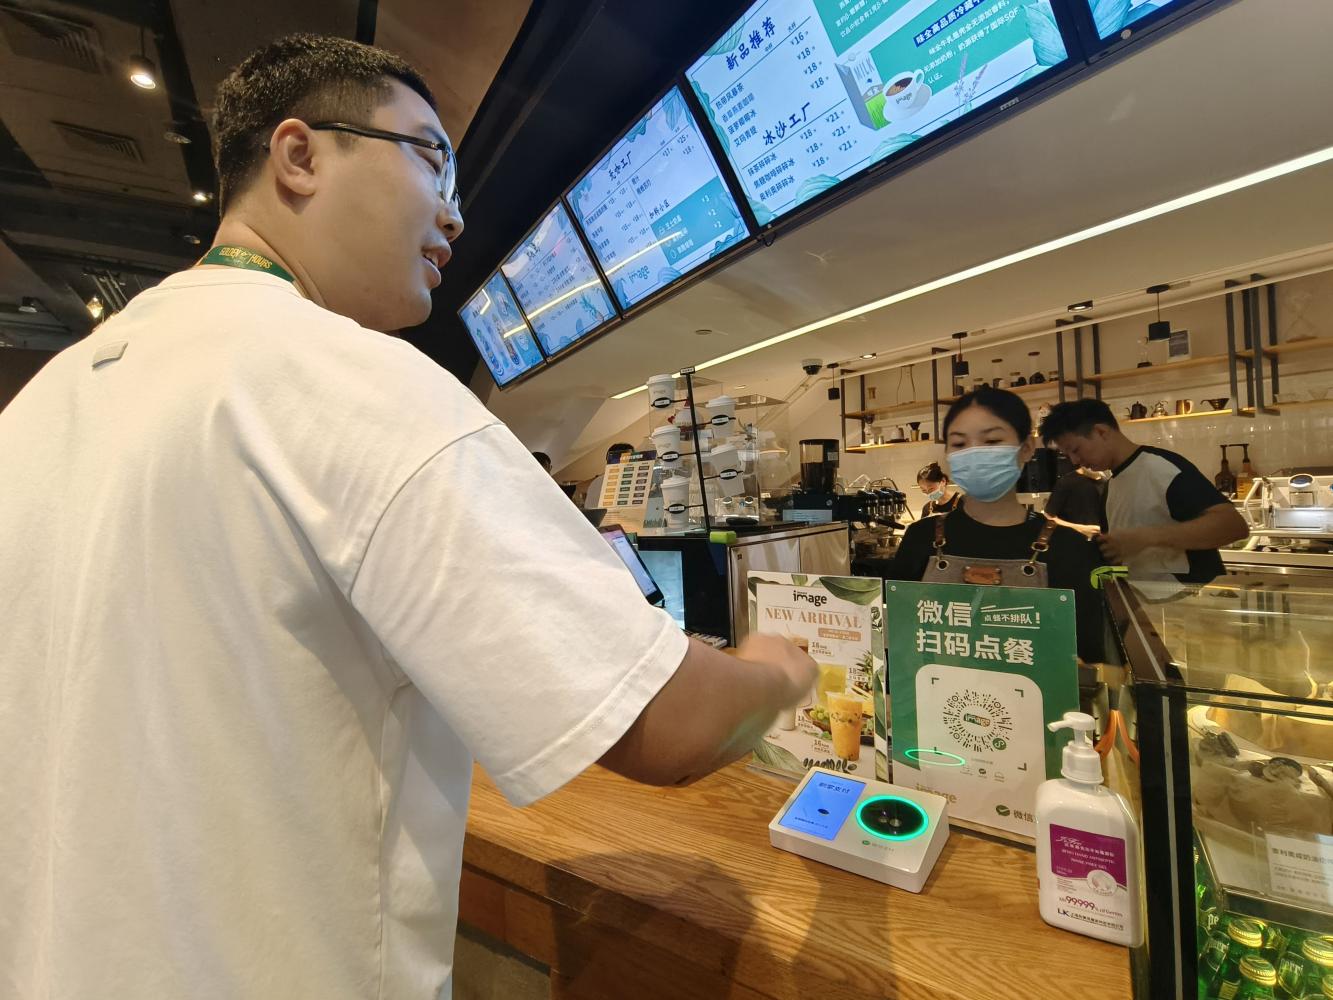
1184, 406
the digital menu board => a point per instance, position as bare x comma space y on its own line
556, 283
1113, 16
655, 207
805, 93
500, 332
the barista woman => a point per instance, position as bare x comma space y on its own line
990, 538
934, 483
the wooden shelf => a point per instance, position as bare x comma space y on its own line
1296, 404
1296, 346
1170, 366
1024, 390
861, 449
1183, 416
915, 406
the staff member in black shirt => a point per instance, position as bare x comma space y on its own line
990, 537
1166, 520
934, 483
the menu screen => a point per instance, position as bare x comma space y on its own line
655, 207
500, 332
805, 93
557, 285
1112, 16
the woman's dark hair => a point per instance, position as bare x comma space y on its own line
1004, 404
311, 77
932, 473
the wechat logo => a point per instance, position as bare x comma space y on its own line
1002, 810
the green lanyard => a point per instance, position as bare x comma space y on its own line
240, 257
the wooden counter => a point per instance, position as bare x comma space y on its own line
635, 893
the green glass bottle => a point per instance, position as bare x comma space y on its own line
1257, 979
1245, 937
1302, 972
1277, 939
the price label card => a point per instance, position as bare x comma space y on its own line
1301, 868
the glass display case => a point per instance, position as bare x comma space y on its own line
1228, 761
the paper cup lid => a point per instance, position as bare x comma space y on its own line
717, 402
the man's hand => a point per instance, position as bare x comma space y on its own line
712, 711
1121, 546
797, 668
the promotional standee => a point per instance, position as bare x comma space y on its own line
839, 621
977, 673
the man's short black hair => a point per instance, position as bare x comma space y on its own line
1078, 416
311, 77
616, 450
543, 459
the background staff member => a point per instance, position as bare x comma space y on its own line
934, 483
260, 620
1164, 517
1079, 501
990, 536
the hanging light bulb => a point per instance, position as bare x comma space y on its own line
95, 307
143, 74
960, 367
1160, 330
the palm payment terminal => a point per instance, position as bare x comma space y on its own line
891, 834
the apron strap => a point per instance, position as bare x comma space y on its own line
1043, 540
939, 533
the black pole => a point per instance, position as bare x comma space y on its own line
688, 373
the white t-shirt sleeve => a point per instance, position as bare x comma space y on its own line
505, 607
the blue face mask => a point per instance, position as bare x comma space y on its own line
986, 473
936, 495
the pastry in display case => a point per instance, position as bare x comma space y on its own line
1231, 685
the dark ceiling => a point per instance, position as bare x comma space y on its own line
96, 200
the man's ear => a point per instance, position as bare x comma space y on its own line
291, 157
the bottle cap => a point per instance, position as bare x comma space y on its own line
1258, 970
1246, 932
1318, 950
1080, 762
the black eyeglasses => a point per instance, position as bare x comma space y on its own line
446, 178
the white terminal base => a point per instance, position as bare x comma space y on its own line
891, 834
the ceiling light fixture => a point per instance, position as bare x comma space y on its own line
202, 197
28, 305
1161, 330
192, 239
1079, 307
867, 357
180, 139
1143, 215
960, 367
143, 74
95, 307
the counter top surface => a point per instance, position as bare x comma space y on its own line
690, 874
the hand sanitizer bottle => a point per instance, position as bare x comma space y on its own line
1088, 868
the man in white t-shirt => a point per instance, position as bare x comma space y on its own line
258, 627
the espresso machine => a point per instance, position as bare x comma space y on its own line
1292, 507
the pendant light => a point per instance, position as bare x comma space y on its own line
960, 367
143, 74
1160, 330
